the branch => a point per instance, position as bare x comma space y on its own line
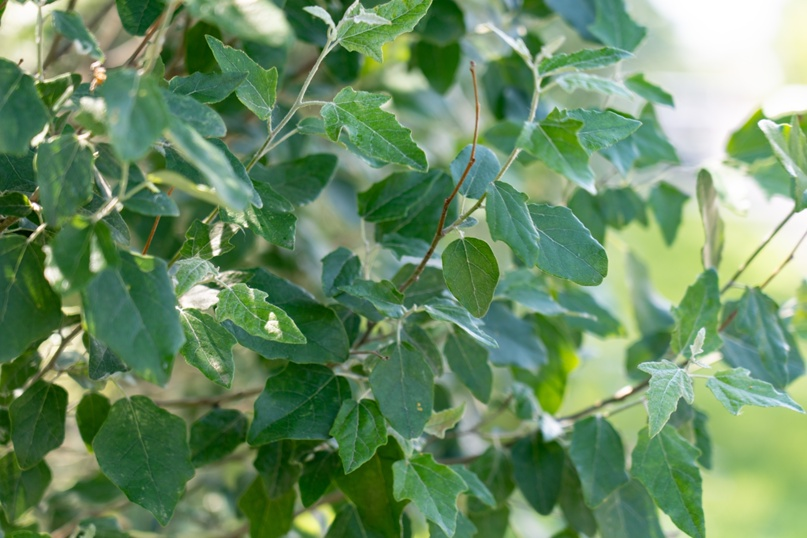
620, 395
440, 232
210, 400
56, 354
784, 262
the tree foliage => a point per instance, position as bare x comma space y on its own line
271, 138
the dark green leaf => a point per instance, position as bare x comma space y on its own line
429, 285
208, 87
628, 512
446, 310
78, 251
17, 173
665, 465
383, 295
300, 402
583, 59
359, 429
299, 181
318, 472
268, 517
103, 361
16, 373
667, 203
567, 248
748, 143
208, 240
395, 197
495, 470
651, 142
444, 23
614, 27
91, 413
537, 469
698, 309
251, 20
22, 113
375, 132
433, 488
258, 91
586, 314
64, 175
469, 362
20, 490
602, 129
138, 15
423, 342
668, 384
136, 112
208, 346
509, 220
586, 208
476, 487
71, 25
554, 141
490, 523
277, 465
530, 290
339, 268
735, 388
198, 116
368, 38
471, 273
599, 458
275, 221
647, 90
247, 308
438, 64
216, 434
572, 502
133, 311
144, 451
37, 422
403, 386
622, 206
348, 523
484, 170
30, 310
519, 345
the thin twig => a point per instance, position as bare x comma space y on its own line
784, 262
154, 227
440, 232
210, 400
56, 354
149, 34
620, 395
368, 352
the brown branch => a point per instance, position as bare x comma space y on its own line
141, 47
784, 262
56, 354
210, 400
441, 232
154, 227
620, 395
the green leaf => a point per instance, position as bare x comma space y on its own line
317, 476
299, 402
586, 314
247, 308
668, 384
554, 141
78, 251
212, 163
359, 429
138, 15
667, 204
665, 465
275, 221
403, 386
469, 362
518, 344
423, 341
136, 113
133, 311
71, 25
383, 295
476, 487
495, 470
103, 361
537, 469
712, 223
482, 173
735, 388
200, 117
447, 310
144, 451
64, 175
15, 204
348, 523
757, 340
208, 87
190, 272
591, 83
208, 240
613, 26
378, 509
698, 309
91, 413
439, 64
433, 488
258, 91
442, 421
37, 422
30, 310
647, 90
261, 21
471, 273
268, 517
374, 132
599, 458
651, 311
572, 503
530, 290
208, 346
627, 512
602, 129
567, 248
355, 34
277, 465
339, 268
789, 144
22, 113
216, 434
21, 489
300, 181
550, 384
326, 339
691, 425
583, 59
509, 220
394, 197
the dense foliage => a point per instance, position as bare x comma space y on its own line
414, 377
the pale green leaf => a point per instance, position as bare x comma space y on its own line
614, 27
602, 128
208, 346
359, 429
509, 221
447, 310
471, 273
518, 343
667, 203
383, 295
198, 116
592, 83
712, 223
208, 240
368, 38
71, 25
583, 59
247, 308
442, 421
484, 170
647, 90
668, 384
735, 388
528, 289
789, 144
261, 21
192, 271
